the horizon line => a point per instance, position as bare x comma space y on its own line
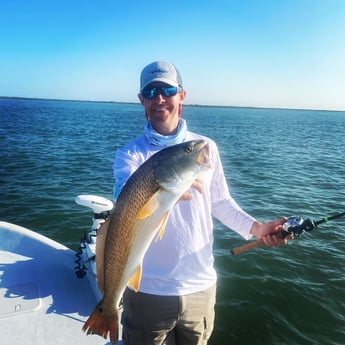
185, 104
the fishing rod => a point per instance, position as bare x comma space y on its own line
294, 226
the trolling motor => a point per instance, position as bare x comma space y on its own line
98, 204
294, 226
101, 208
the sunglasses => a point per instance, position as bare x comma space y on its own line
166, 91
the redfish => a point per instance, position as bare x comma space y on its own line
140, 214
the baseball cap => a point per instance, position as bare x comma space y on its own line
160, 71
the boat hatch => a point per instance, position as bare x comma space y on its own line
18, 299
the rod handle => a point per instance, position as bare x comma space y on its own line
247, 247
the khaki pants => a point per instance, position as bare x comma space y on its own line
168, 320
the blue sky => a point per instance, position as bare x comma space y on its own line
274, 53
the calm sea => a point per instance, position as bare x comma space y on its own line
278, 163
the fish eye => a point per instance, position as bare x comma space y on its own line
189, 149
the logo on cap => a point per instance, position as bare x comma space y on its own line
159, 71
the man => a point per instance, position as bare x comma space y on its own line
175, 303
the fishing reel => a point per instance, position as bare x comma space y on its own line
296, 226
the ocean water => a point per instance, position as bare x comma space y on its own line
277, 162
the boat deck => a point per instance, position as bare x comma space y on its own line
41, 299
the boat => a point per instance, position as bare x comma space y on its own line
47, 290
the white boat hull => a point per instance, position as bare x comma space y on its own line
41, 300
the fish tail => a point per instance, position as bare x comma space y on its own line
101, 324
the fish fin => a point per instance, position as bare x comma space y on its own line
101, 324
150, 207
134, 281
161, 227
100, 249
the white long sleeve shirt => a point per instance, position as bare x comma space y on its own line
182, 261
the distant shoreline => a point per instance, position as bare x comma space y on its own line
137, 103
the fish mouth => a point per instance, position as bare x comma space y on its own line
204, 156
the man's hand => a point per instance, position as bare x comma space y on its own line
271, 232
198, 185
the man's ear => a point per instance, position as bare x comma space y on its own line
182, 95
141, 98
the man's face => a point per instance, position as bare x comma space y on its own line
163, 109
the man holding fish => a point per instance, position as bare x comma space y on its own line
171, 289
